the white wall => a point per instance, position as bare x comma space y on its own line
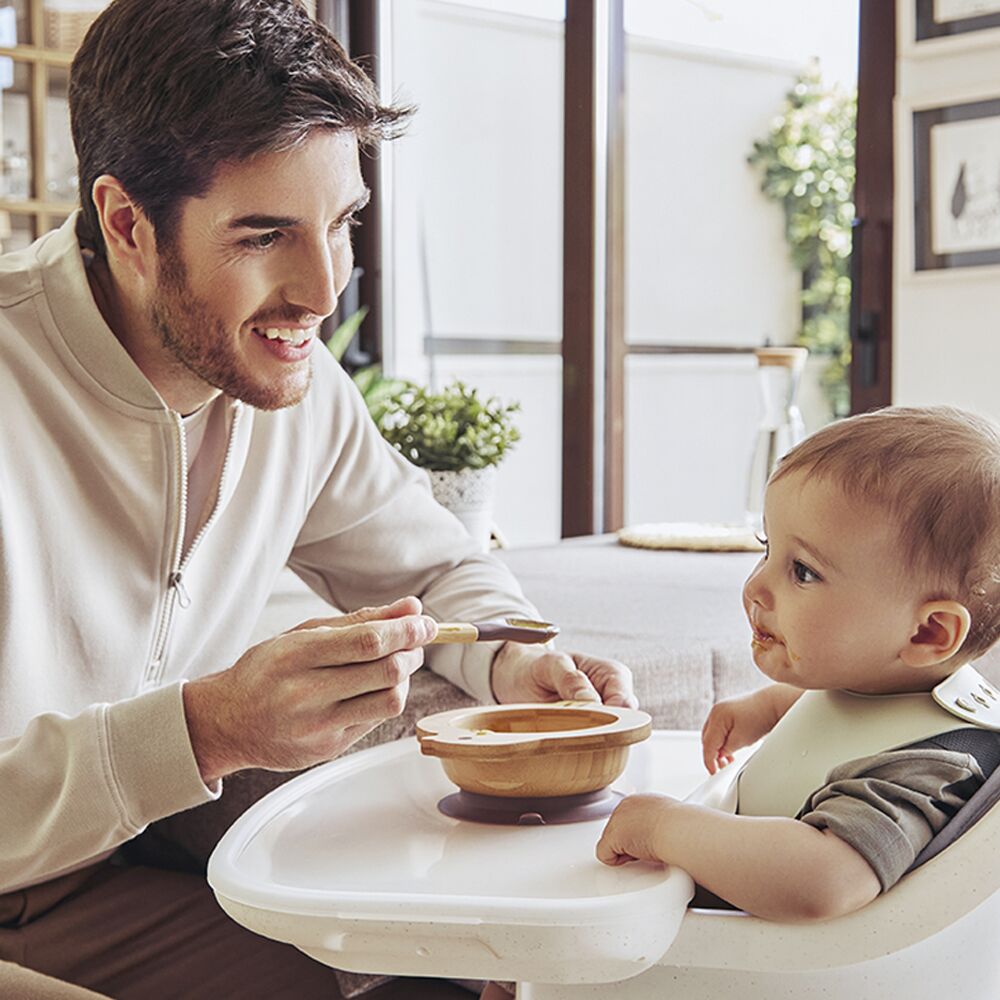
706, 253
707, 263
945, 343
478, 177
477, 226
477, 247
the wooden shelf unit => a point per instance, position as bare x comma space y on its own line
47, 28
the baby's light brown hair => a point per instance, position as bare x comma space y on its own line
936, 471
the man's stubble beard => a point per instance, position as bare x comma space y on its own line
199, 342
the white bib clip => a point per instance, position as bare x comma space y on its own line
971, 697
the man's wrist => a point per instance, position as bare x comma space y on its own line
213, 752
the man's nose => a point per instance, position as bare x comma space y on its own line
316, 278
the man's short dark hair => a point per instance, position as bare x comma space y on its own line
164, 91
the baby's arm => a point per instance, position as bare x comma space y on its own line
773, 867
738, 722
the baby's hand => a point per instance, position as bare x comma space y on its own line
631, 832
738, 722
726, 729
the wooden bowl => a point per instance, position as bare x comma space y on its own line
533, 750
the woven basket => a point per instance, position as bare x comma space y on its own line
691, 536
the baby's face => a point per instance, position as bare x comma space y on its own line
829, 603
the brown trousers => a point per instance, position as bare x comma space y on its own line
139, 933
152, 930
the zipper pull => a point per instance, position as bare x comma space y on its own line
183, 598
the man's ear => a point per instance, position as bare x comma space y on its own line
940, 630
128, 233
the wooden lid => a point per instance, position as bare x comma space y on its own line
785, 357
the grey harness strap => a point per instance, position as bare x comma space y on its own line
982, 800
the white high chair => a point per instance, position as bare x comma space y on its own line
933, 935
353, 864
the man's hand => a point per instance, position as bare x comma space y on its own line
536, 673
305, 696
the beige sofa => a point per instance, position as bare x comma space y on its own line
674, 617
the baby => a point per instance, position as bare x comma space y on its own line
880, 577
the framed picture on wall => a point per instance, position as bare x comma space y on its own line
941, 18
956, 185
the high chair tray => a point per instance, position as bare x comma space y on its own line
353, 863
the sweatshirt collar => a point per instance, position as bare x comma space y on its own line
81, 326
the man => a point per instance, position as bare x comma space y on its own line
173, 440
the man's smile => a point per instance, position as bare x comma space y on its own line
287, 344
296, 336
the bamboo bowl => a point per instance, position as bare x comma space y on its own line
533, 750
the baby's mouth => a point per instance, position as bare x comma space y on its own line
762, 639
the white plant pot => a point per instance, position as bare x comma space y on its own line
468, 494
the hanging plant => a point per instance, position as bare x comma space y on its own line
808, 166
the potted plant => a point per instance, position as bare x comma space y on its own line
459, 437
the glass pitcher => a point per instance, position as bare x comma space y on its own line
779, 370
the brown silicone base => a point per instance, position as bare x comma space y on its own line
535, 811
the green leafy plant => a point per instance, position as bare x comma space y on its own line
448, 430
808, 161
345, 333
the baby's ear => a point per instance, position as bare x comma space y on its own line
940, 631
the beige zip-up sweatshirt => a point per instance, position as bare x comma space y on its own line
102, 616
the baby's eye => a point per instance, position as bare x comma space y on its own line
804, 574
763, 541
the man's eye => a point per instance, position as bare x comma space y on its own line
263, 242
804, 574
346, 225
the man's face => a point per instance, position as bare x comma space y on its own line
255, 265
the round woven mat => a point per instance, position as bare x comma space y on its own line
693, 536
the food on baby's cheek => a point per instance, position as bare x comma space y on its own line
761, 641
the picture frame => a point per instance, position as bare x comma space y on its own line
945, 18
956, 185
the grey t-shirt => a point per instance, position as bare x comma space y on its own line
888, 806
